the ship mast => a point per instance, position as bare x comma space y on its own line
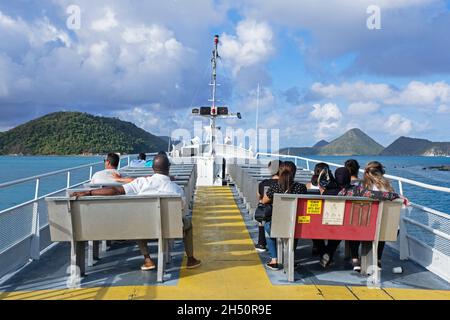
214, 90
214, 111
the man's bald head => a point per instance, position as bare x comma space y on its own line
161, 164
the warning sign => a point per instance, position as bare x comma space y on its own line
314, 207
304, 219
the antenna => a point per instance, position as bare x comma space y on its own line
257, 119
214, 111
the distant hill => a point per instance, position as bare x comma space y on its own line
74, 133
169, 139
321, 143
405, 146
305, 151
353, 143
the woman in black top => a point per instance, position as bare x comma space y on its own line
286, 184
331, 186
274, 167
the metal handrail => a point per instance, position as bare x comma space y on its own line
34, 178
429, 229
27, 203
399, 179
53, 173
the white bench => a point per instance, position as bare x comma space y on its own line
360, 222
115, 218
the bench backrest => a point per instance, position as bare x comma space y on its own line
331, 217
115, 218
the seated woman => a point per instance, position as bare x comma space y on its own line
353, 166
375, 186
285, 184
274, 167
330, 186
312, 185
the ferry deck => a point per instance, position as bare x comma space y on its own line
224, 239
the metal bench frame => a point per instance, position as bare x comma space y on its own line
79, 221
284, 222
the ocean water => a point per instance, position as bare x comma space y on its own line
412, 168
12, 168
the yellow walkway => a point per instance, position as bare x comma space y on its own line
231, 267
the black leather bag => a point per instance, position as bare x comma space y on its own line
263, 212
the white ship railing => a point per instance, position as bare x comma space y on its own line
24, 230
424, 235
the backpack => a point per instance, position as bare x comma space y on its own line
263, 212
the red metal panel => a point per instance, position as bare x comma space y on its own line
360, 219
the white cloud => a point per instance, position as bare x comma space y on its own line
444, 109
357, 91
151, 118
328, 111
328, 118
338, 27
99, 56
252, 45
7, 21
122, 65
397, 125
140, 55
155, 42
44, 32
369, 95
36, 33
362, 108
422, 94
249, 102
107, 23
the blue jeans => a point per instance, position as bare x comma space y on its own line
271, 242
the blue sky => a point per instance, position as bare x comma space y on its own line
321, 70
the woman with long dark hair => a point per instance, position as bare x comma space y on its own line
373, 185
286, 184
274, 168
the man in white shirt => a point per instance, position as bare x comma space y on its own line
159, 183
140, 162
110, 173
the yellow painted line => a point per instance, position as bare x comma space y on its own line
417, 294
366, 293
231, 269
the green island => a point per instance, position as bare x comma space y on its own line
76, 133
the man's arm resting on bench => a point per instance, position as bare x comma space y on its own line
110, 191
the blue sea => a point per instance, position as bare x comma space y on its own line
413, 168
12, 168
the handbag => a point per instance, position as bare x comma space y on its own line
263, 212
